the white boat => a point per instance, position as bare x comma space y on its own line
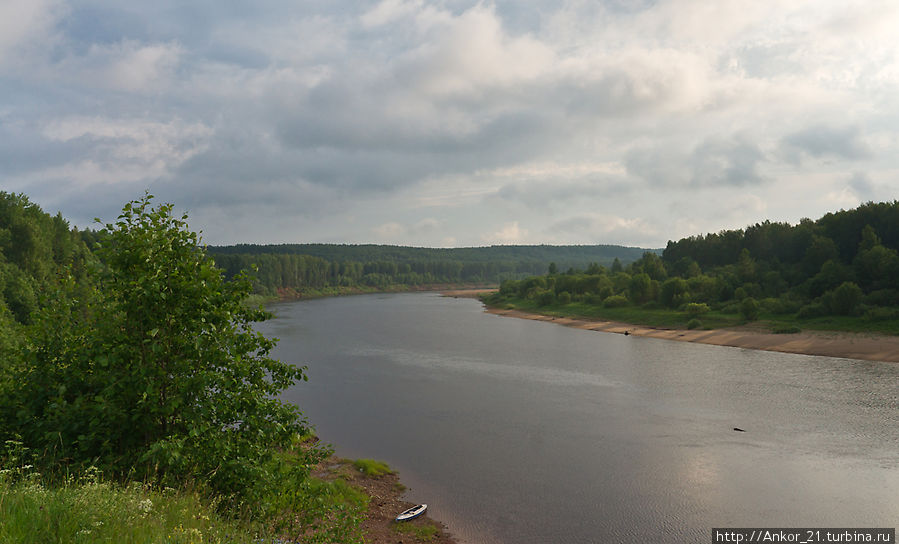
412, 513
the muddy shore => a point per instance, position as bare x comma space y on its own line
386, 501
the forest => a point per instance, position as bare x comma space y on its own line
315, 268
843, 264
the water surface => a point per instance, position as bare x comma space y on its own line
519, 431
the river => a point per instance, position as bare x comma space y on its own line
518, 431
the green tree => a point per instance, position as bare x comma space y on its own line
163, 374
674, 292
640, 288
749, 309
845, 298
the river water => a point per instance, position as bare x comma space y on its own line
518, 431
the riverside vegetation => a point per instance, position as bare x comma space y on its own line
840, 272
137, 403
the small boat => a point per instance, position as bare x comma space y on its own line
412, 513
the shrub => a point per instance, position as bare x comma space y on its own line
545, 297
564, 297
694, 324
881, 314
883, 297
812, 310
615, 301
695, 309
161, 373
845, 298
749, 309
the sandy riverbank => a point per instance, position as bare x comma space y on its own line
869, 347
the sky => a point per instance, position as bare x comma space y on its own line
451, 123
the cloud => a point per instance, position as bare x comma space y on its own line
734, 161
26, 25
510, 233
604, 229
821, 141
458, 120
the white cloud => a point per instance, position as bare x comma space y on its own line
510, 233
124, 150
25, 25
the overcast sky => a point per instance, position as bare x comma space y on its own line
452, 123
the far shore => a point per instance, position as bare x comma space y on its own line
868, 347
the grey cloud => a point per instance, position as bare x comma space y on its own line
846, 142
733, 161
545, 193
862, 186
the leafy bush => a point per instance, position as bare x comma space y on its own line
694, 324
883, 297
845, 298
749, 309
564, 297
881, 314
545, 297
694, 309
812, 310
156, 370
615, 301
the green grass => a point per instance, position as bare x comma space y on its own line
92, 511
370, 467
423, 532
88, 509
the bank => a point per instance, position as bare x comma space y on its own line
851, 345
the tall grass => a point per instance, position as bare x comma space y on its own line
88, 510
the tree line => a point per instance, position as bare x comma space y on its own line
845, 263
314, 267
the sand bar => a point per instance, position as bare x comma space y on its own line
869, 347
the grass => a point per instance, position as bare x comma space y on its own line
370, 467
89, 510
424, 532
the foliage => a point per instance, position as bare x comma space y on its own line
695, 309
845, 298
615, 301
844, 264
157, 371
749, 309
694, 324
313, 268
